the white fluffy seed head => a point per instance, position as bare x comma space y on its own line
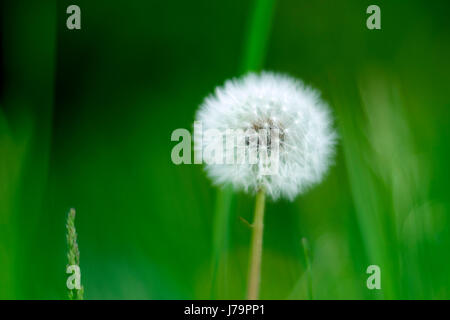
275, 101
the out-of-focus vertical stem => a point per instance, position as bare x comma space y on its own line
253, 56
257, 36
29, 33
306, 251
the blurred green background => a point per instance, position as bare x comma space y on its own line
86, 118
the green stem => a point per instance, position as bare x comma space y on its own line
253, 56
254, 273
306, 251
257, 36
73, 253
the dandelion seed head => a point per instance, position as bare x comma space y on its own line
271, 101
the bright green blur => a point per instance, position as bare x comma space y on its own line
86, 118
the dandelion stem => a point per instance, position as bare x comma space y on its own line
254, 273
